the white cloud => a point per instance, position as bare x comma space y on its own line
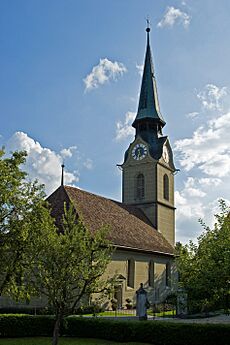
68, 152
192, 115
140, 68
209, 181
208, 149
211, 97
88, 164
186, 207
42, 163
103, 72
125, 129
174, 15
205, 155
197, 199
192, 190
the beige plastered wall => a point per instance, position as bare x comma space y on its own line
158, 291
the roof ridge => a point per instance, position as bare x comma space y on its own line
87, 192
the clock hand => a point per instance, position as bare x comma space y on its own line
139, 153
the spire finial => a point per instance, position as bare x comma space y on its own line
148, 24
62, 174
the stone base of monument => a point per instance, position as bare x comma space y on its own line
143, 318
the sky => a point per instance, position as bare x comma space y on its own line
70, 80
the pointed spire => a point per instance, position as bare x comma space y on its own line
62, 174
148, 102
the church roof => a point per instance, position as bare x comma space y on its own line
148, 102
129, 227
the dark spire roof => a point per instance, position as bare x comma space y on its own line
148, 103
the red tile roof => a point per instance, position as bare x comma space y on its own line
129, 227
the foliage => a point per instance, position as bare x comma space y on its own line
89, 309
114, 304
22, 219
16, 325
153, 332
36, 258
128, 304
69, 265
204, 268
63, 341
27, 310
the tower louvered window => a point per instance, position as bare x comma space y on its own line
140, 186
166, 187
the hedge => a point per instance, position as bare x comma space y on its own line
18, 325
26, 310
152, 332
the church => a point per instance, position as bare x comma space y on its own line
142, 226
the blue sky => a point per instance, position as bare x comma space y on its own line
70, 79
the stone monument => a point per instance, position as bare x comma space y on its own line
142, 303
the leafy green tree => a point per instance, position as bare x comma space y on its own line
204, 268
22, 217
36, 258
69, 266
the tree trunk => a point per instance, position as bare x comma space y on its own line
56, 330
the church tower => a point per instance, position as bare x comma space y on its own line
148, 168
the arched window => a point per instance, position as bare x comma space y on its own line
166, 187
140, 186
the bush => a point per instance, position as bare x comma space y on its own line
114, 304
16, 325
128, 304
90, 309
152, 332
161, 307
27, 310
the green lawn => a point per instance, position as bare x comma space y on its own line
63, 341
113, 313
126, 313
162, 313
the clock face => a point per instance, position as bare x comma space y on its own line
165, 154
139, 151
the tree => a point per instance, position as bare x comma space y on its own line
204, 268
65, 264
69, 266
22, 216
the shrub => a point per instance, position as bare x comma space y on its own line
152, 332
128, 304
114, 304
90, 309
27, 310
161, 307
18, 325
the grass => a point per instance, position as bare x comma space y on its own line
112, 314
63, 341
126, 313
163, 313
